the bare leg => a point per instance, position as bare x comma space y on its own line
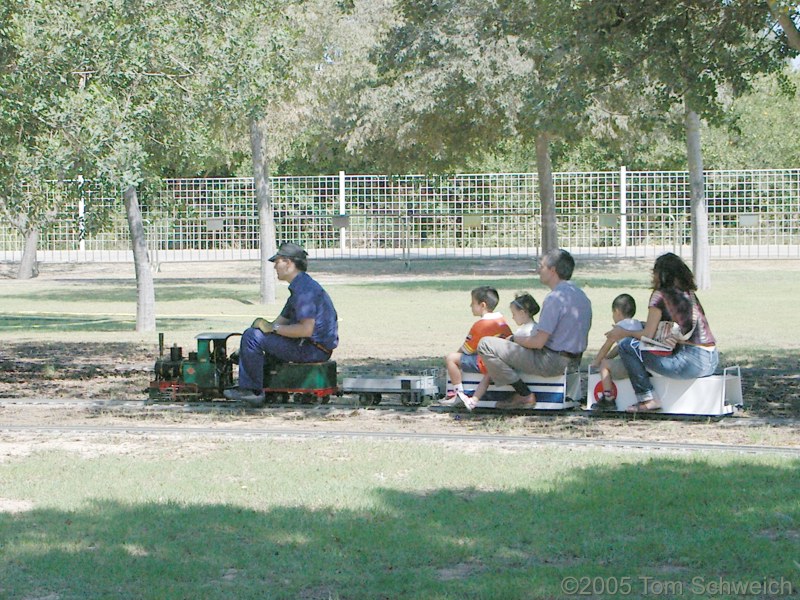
453, 364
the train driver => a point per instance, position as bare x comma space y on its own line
305, 331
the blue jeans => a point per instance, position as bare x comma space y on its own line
257, 345
687, 362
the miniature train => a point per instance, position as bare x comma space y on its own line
205, 373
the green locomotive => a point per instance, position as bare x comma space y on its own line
205, 373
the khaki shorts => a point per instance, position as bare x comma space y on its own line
506, 361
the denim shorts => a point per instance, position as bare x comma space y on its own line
469, 363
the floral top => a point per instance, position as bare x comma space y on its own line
685, 309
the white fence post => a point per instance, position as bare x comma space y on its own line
623, 207
342, 212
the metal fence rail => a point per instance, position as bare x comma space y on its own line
752, 214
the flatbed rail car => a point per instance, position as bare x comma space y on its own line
413, 390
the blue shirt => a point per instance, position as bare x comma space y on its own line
567, 316
307, 300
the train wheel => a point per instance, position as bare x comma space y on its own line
304, 398
324, 399
369, 399
411, 399
278, 398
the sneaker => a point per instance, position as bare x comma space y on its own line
450, 401
608, 401
250, 397
468, 401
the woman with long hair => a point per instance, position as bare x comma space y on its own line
695, 351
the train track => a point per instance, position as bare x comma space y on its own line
400, 436
284, 433
235, 407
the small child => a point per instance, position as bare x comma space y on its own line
622, 310
523, 310
484, 301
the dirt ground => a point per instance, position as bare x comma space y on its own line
73, 384
78, 388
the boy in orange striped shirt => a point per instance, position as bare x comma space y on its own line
490, 324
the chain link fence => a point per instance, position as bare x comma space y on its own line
614, 214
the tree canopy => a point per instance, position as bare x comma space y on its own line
126, 90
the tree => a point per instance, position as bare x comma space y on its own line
127, 117
138, 107
255, 68
761, 129
32, 149
691, 53
337, 38
787, 14
457, 78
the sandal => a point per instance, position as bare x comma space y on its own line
645, 406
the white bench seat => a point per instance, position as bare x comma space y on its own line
715, 395
552, 393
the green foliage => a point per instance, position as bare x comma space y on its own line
456, 79
130, 90
125, 90
690, 52
761, 130
757, 132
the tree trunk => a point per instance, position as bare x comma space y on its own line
547, 196
145, 290
29, 266
266, 217
700, 251
781, 14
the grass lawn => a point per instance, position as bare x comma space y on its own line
369, 519
188, 517
419, 312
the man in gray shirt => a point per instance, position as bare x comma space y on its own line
559, 342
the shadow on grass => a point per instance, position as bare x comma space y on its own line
103, 292
663, 527
382, 367
85, 323
770, 381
